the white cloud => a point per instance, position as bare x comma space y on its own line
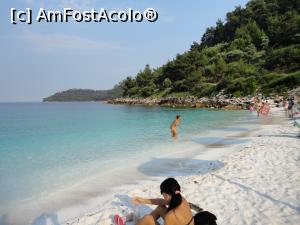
64, 42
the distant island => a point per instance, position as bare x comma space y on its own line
255, 50
85, 95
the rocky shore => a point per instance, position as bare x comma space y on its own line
217, 102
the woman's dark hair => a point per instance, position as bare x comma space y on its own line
170, 186
177, 116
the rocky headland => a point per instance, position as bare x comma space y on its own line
217, 102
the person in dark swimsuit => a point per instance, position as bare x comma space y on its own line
173, 208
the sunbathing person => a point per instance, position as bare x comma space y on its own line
173, 208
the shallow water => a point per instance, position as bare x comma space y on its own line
50, 147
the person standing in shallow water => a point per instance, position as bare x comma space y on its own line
174, 125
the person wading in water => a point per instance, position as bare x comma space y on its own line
174, 125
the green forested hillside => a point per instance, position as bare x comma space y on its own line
85, 95
256, 49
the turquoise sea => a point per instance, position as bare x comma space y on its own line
46, 147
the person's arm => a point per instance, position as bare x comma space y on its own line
154, 201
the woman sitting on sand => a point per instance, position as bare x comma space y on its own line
178, 211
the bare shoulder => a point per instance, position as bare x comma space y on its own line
185, 202
169, 218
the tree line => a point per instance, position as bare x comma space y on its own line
256, 49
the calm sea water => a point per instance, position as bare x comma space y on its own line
44, 146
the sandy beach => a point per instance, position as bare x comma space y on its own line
254, 183
107, 107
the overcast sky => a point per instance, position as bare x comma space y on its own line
40, 59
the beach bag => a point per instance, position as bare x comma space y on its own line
205, 218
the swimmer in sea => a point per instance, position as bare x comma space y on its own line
174, 125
